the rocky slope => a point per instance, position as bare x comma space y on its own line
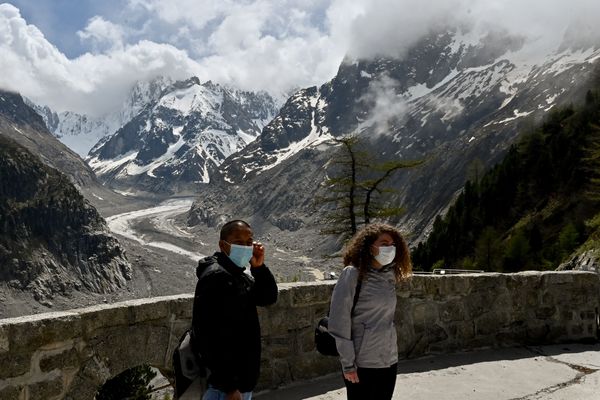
52, 241
24, 125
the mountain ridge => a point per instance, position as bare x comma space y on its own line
448, 102
180, 139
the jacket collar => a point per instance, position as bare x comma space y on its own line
224, 260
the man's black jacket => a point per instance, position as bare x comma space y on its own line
225, 320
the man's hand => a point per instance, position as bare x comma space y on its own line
258, 255
235, 395
351, 376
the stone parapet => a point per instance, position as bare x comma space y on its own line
68, 355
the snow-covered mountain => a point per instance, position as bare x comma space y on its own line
179, 139
454, 99
82, 132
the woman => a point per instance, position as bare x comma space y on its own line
377, 257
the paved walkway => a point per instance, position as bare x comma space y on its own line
558, 372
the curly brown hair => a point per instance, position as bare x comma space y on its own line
358, 250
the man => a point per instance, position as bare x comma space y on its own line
225, 321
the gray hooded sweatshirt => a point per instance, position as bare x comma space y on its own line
367, 339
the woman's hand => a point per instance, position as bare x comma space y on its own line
351, 376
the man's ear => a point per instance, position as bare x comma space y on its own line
223, 246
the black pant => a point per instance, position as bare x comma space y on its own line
373, 384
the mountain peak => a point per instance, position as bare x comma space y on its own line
178, 140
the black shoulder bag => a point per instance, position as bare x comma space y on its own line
324, 342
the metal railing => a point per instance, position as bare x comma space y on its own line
449, 271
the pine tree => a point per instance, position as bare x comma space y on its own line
356, 193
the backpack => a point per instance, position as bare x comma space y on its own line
324, 342
187, 364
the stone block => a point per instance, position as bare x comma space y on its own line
453, 286
537, 332
309, 295
148, 312
587, 315
461, 332
452, 310
487, 324
4, 339
418, 348
284, 297
313, 365
545, 312
557, 278
414, 287
576, 330
280, 372
101, 318
131, 346
444, 347
436, 333
306, 340
508, 338
35, 333
14, 364
567, 315
181, 308
12, 393
523, 282
425, 313
557, 333
46, 390
487, 282
478, 303
281, 321
273, 350
67, 359
532, 299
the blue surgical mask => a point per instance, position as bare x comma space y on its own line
240, 255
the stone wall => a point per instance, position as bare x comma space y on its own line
68, 355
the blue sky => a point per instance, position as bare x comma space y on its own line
60, 20
84, 55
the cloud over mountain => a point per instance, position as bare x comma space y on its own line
257, 44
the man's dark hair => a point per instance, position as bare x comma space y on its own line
231, 226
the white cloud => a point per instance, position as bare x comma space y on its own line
196, 14
91, 83
275, 45
391, 27
386, 106
103, 33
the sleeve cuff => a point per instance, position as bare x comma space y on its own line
348, 369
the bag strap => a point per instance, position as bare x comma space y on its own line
356, 293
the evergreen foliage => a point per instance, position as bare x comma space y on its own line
132, 384
532, 210
357, 191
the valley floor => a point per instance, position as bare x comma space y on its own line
164, 252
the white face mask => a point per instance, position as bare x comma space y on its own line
386, 254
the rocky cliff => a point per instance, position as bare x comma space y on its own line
52, 241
